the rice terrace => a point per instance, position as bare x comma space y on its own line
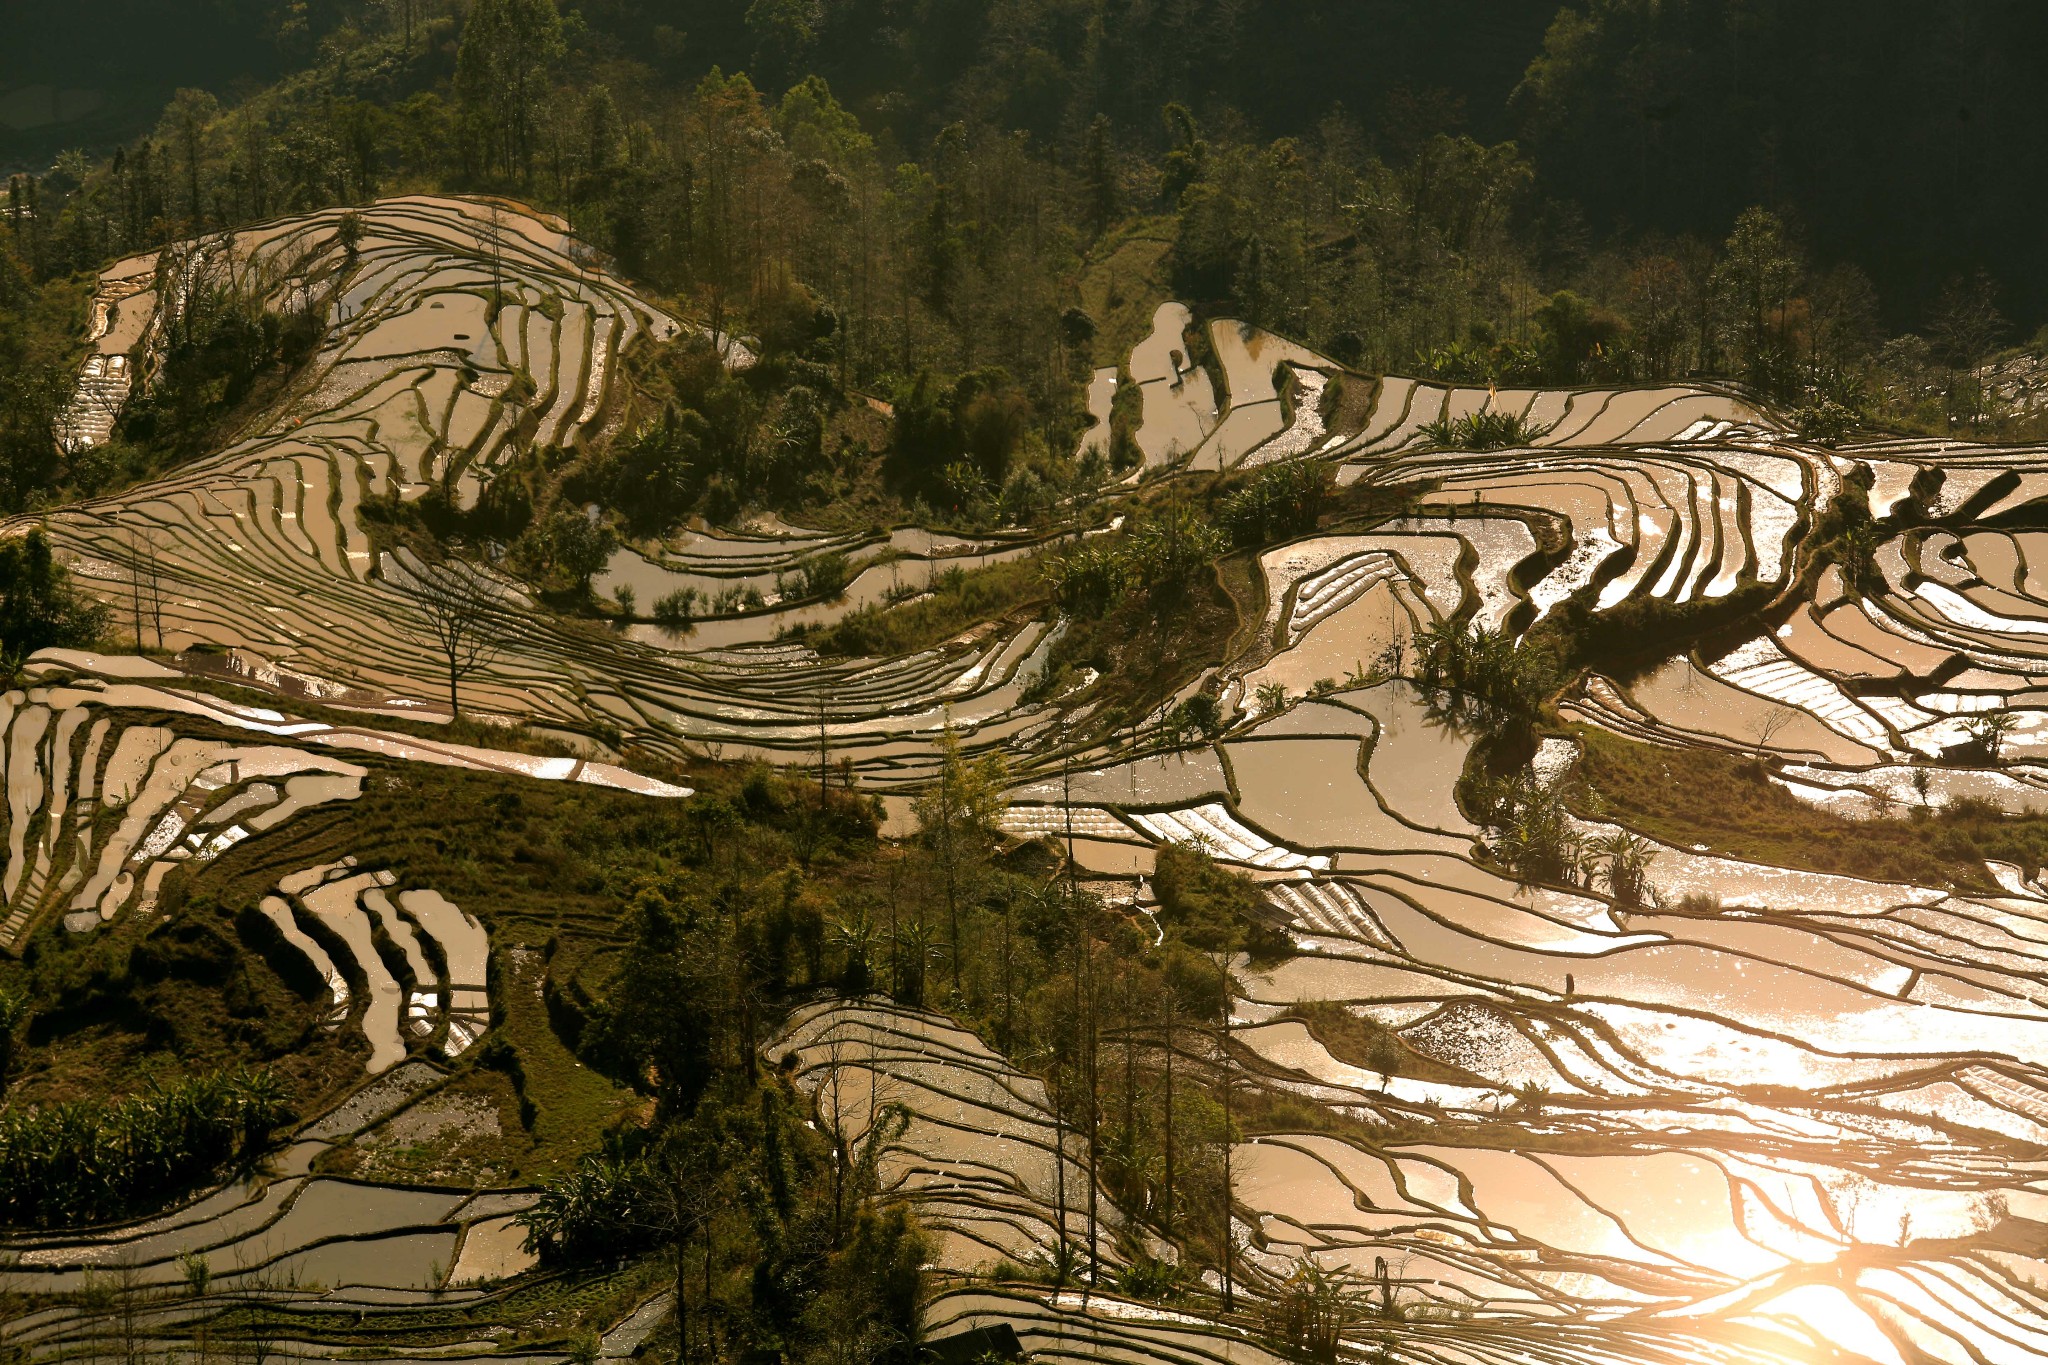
988, 695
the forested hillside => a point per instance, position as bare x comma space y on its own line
963, 208
876, 682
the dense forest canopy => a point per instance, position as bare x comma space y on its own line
964, 209
1898, 137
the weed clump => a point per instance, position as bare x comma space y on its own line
1483, 431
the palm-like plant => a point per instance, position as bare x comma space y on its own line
1991, 731
919, 945
1478, 675
1627, 858
1314, 1307
1532, 833
855, 934
91, 1160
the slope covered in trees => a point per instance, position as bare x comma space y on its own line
1107, 678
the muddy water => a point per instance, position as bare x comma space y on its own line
1309, 793
1690, 698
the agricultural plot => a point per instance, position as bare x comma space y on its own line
120, 773
1765, 1112
445, 954
114, 783
323, 1254
1743, 1112
967, 1140
1751, 1134
454, 328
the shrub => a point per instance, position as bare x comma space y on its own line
1826, 421
1480, 674
674, 611
92, 1160
824, 575
1209, 907
1531, 832
1279, 501
1160, 557
1482, 431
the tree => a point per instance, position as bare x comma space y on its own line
1480, 676
875, 1283
1658, 307
1965, 327
463, 618
958, 818
501, 70
1753, 286
348, 231
674, 611
14, 1012
38, 608
658, 471
146, 588
1576, 337
1773, 720
1383, 1053
1314, 1307
662, 1025
784, 32
406, 15
188, 118
574, 545
1098, 177
1628, 868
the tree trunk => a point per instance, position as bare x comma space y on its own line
1166, 1219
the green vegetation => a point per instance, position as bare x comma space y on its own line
927, 224
95, 1160
957, 600
1150, 643
223, 348
774, 1243
38, 608
1530, 831
1481, 676
1482, 431
1359, 1040
1160, 556
1726, 801
866, 243
1275, 503
722, 1176
1214, 909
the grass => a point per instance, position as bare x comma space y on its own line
545, 865
1362, 1042
847, 490
1725, 801
959, 598
570, 1104
1124, 284
1348, 403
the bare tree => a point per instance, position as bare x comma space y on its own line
494, 233
1774, 720
462, 617
146, 588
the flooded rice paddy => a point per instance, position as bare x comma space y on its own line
1767, 1114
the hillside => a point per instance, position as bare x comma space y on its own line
906, 707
